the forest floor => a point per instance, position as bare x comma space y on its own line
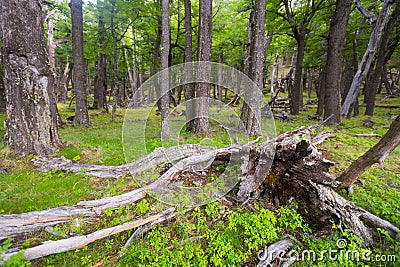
213, 235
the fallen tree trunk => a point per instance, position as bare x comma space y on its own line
77, 242
298, 171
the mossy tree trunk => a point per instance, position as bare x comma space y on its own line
31, 123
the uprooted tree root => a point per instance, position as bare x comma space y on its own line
298, 171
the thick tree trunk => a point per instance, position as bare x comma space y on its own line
164, 94
31, 123
202, 124
373, 77
376, 154
368, 58
251, 116
79, 75
189, 88
336, 43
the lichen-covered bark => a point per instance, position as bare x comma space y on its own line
30, 124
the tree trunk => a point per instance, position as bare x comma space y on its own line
100, 82
2, 94
321, 92
136, 97
368, 57
189, 88
114, 83
296, 94
333, 67
31, 122
274, 73
376, 154
164, 94
202, 124
373, 77
156, 56
128, 64
81, 108
251, 116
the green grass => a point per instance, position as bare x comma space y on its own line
24, 189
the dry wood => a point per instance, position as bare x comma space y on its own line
298, 171
77, 242
157, 157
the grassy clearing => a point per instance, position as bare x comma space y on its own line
214, 235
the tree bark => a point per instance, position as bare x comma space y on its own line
31, 122
367, 59
189, 88
2, 94
202, 124
114, 83
100, 81
377, 154
164, 94
333, 66
81, 107
251, 116
274, 73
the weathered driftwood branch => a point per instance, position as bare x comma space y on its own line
77, 242
157, 157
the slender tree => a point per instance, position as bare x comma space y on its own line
81, 108
31, 122
114, 83
251, 116
202, 124
189, 88
100, 80
333, 66
164, 94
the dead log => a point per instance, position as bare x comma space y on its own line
157, 157
77, 242
17, 224
297, 170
